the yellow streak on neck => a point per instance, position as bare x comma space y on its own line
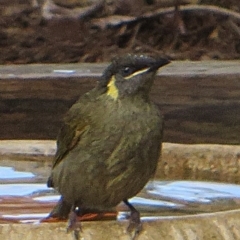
112, 89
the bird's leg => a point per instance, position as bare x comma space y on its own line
135, 225
73, 223
61, 210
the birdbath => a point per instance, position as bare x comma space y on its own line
170, 209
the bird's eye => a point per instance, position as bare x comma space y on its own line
126, 71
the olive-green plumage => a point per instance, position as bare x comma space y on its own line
109, 145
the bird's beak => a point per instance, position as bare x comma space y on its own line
160, 62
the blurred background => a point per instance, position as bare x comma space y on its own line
70, 31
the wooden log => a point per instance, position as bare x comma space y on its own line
200, 100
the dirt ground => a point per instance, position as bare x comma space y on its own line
26, 37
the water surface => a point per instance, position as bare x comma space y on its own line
24, 197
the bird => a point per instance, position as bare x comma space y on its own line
110, 143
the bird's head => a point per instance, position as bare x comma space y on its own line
130, 75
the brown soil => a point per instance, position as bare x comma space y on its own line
25, 37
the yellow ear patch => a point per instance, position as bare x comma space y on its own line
112, 89
137, 73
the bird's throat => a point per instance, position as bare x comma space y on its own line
112, 89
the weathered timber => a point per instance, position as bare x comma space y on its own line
200, 100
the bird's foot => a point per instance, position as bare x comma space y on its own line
135, 225
74, 225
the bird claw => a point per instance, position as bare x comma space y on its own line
76, 230
135, 225
134, 231
74, 225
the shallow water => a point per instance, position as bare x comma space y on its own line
24, 197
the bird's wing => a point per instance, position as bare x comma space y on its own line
74, 126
